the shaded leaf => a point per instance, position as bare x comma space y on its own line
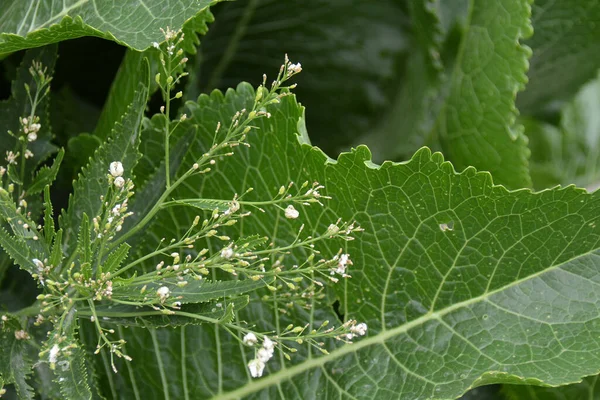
476, 125
15, 358
18, 105
23, 242
18, 251
123, 89
151, 169
570, 152
92, 183
46, 175
564, 40
587, 389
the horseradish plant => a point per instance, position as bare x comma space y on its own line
84, 267
182, 242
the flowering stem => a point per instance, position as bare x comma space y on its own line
22, 173
34, 103
167, 127
148, 217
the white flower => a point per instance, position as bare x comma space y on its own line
2, 171
250, 339
268, 343
28, 153
233, 207
295, 68
360, 329
291, 212
256, 368
333, 229
116, 168
264, 355
266, 352
156, 45
116, 210
53, 354
108, 291
119, 182
163, 292
11, 157
39, 264
21, 335
31, 136
227, 253
343, 261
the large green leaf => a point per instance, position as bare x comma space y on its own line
476, 125
565, 51
136, 24
461, 282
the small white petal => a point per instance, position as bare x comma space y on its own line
264, 355
256, 368
268, 344
250, 339
163, 292
53, 353
360, 329
291, 212
227, 253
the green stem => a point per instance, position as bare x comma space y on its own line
167, 124
144, 258
182, 202
159, 204
22, 173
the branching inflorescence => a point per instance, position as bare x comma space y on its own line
97, 281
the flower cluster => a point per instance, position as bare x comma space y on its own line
262, 355
115, 207
97, 275
299, 335
29, 128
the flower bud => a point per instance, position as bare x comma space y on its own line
116, 169
119, 182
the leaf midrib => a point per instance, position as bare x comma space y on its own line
380, 338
